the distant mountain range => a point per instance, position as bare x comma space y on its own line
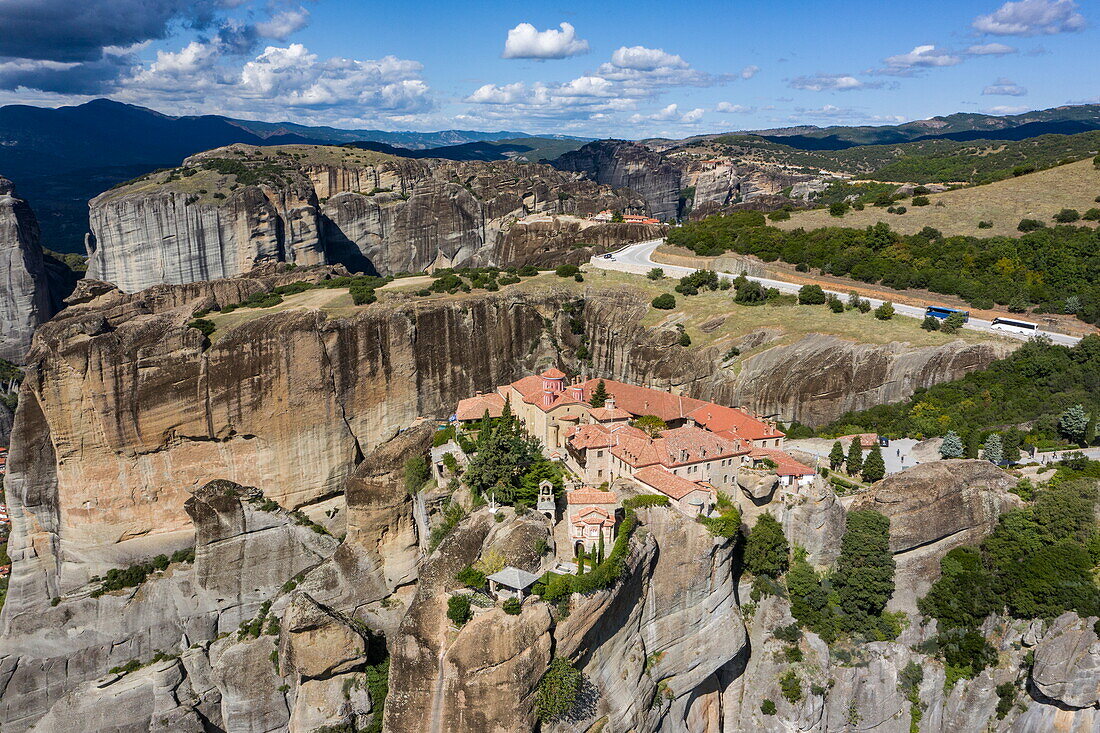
964, 126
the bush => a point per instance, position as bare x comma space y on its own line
417, 474
458, 609
512, 606
953, 323
1092, 214
203, 325
566, 270
558, 690
811, 295
665, 302
885, 311
920, 201
901, 209
930, 323
791, 686
836, 305
362, 295
984, 224
1067, 216
471, 576
1030, 225
838, 209
781, 215
655, 274
767, 707
685, 339
528, 271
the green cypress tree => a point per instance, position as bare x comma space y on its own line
1074, 424
580, 562
854, 461
599, 548
766, 549
836, 456
599, 395
864, 578
874, 468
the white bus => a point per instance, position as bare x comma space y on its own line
1015, 326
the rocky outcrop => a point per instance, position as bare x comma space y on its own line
625, 164
1067, 663
226, 211
24, 290
814, 380
552, 241
934, 508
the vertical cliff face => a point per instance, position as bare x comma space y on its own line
24, 292
225, 211
629, 165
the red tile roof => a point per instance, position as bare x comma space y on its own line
604, 414
591, 496
720, 419
594, 515
788, 466
473, 408
866, 440
644, 400
553, 373
668, 483
690, 444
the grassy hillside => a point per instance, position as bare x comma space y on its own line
1034, 196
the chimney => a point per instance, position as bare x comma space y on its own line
690, 422
609, 403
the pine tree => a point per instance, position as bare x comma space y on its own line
994, 449
854, 462
836, 456
1074, 424
599, 395
506, 412
874, 468
952, 446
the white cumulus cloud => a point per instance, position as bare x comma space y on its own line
641, 58
926, 56
283, 23
990, 49
730, 108
527, 42
1032, 18
750, 71
830, 82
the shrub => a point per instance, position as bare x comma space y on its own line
417, 474
791, 686
930, 323
901, 209
767, 707
1030, 225
953, 323
685, 339
781, 215
836, 305
985, 224
655, 274
1092, 214
558, 690
838, 209
1067, 216
811, 295
885, 311
920, 201
458, 609
471, 576
512, 606
665, 302
204, 326
566, 270
528, 271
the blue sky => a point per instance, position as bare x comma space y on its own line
597, 68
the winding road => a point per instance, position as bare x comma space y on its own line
638, 259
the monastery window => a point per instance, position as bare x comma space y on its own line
599, 454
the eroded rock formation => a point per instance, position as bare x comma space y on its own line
24, 290
372, 212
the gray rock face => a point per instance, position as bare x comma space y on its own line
1067, 662
934, 508
374, 214
24, 290
620, 163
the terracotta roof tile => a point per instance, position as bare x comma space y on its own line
553, 373
473, 408
718, 419
591, 496
667, 483
788, 466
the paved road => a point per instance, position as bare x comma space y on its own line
637, 258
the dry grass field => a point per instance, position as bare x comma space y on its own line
1035, 196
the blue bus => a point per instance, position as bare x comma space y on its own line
942, 312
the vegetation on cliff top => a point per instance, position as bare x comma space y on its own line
1054, 270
